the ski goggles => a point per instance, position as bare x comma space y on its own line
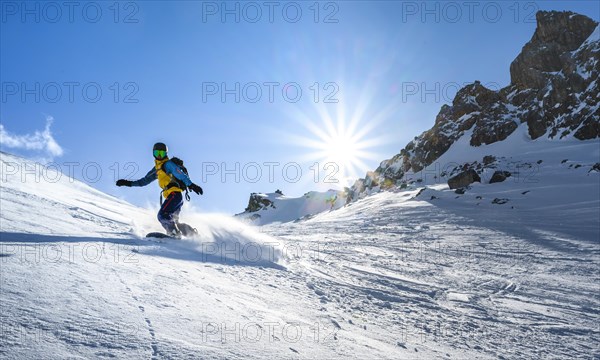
159, 154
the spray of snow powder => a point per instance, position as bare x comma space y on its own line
221, 239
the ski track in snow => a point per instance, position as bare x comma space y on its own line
465, 285
153, 344
422, 273
375, 291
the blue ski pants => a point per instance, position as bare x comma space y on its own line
169, 211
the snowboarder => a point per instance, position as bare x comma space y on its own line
173, 180
331, 201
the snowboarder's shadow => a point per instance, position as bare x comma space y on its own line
28, 239
209, 252
203, 257
50, 248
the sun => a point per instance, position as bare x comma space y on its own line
340, 142
342, 151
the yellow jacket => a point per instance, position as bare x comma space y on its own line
168, 174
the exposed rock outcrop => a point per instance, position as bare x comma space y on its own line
557, 33
464, 179
258, 202
499, 176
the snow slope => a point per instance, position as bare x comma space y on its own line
421, 273
38, 199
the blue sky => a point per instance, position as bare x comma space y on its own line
246, 98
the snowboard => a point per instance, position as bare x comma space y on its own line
159, 235
186, 230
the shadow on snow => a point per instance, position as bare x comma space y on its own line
187, 250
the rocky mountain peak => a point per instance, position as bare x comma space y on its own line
556, 33
563, 28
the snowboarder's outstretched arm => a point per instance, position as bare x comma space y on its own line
150, 177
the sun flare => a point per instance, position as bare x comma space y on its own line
342, 144
341, 139
342, 149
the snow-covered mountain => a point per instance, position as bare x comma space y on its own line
554, 96
277, 208
554, 93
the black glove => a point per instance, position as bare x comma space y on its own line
197, 189
123, 182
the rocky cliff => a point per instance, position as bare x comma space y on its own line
554, 89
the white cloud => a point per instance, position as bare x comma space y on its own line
39, 140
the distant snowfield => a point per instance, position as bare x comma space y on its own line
285, 209
421, 273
